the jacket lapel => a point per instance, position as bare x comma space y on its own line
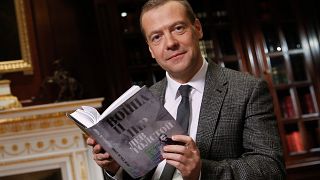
213, 97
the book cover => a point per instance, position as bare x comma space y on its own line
131, 132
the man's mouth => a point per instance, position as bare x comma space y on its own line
175, 55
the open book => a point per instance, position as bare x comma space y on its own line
130, 129
88, 116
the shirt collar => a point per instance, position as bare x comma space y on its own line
197, 81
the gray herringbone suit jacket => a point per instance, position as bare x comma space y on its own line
237, 132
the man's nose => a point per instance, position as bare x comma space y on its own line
171, 41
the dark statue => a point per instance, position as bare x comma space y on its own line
64, 86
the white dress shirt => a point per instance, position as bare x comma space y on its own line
172, 100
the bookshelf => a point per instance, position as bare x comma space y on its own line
288, 66
268, 39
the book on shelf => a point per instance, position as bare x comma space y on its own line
130, 129
287, 107
279, 75
207, 48
309, 108
294, 142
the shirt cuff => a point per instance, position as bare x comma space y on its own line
117, 176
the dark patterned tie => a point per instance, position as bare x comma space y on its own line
183, 114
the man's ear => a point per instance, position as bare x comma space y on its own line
151, 52
198, 28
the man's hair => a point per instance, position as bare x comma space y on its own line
151, 4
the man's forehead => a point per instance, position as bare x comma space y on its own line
164, 15
170, 6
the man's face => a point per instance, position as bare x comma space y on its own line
173, 40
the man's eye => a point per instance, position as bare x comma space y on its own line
179, 29
155, 38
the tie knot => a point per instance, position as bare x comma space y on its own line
184, 90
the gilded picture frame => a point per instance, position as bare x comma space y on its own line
25, 62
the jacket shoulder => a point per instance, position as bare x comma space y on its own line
241, 79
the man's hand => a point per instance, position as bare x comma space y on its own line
185, 158
102, 158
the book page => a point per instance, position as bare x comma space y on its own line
93, 111
130, 92
83, 117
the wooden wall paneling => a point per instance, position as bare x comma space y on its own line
75, 41
241, 40
67, 30
243, 21
111, 42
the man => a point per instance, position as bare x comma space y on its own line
232, 128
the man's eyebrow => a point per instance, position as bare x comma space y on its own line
170, 27
154, 32
148, 36
178, 23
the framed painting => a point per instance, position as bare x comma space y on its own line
15, 43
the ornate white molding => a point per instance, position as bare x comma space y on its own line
42, 138
37, 144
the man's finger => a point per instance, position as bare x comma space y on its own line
187, 140
97, 149
91, 142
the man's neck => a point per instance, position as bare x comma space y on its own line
186, 77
